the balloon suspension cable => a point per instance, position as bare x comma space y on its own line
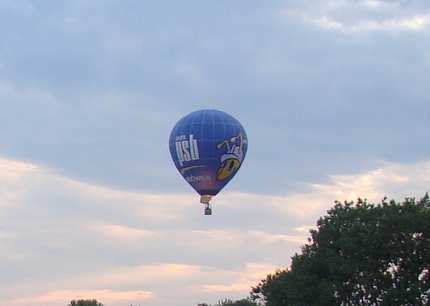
205, 199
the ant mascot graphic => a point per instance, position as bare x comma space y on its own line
232, 159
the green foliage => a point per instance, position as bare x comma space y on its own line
85, 303
243, 302
360, 254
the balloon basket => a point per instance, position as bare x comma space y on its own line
208, 210
205, 200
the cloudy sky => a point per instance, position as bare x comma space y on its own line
333, 94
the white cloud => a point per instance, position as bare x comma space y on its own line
359, 16
413, 23
278, 238
391, 180
121, 232
65, 296
11, 180
241, 281
157, 273
375, 4
303, 228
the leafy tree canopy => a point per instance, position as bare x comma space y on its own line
360, 254
85, 303
242, 302
228, 302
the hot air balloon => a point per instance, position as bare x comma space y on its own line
208, 147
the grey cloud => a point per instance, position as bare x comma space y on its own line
314, 102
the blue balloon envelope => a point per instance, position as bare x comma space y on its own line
208, 147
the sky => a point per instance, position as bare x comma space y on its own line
333, 95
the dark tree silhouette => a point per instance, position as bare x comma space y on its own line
85, 303
360, 254
228, 302
242, 302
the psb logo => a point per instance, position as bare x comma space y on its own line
233, 156
186, 149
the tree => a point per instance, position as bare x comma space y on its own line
85, 303
242, 302
360, 254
